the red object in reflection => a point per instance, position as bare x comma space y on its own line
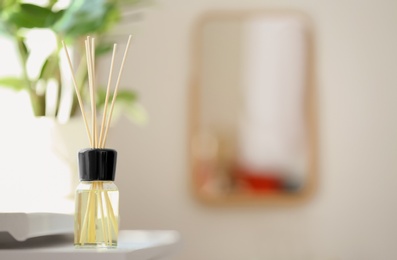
259, 180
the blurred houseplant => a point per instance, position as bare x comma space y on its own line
49, 147
70, 23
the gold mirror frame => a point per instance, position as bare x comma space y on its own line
234, 198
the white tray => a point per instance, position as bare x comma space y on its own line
132, 245
22, 226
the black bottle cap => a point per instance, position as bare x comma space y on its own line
97, 164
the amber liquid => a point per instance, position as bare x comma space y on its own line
96, 216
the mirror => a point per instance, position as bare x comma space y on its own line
252, 128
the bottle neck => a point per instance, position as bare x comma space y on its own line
97, 185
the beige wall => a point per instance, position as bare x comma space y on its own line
354, 213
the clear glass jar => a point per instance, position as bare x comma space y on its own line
97, 200
97, 214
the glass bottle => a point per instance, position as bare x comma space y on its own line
97, 200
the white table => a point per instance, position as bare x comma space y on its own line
132, 245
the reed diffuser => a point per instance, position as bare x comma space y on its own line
97, 197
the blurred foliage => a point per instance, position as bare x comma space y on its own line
71, 24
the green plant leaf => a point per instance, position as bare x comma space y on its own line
33, 16
14, 83
49, 67
6, 4
103, 48
24, 48
3, 28
5, 7
125, 96
85, 17
126, 104
44, 69
136, 113
111, 18
128, 96
136, 2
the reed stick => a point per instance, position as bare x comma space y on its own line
91, 89
112, 217
105, 108
94, 91
108, 217
115, 91
92, 222
99, 195
78, 94
85, 221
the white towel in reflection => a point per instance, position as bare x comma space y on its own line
273, 80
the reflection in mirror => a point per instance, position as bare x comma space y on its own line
252, 130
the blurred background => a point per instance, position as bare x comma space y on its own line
352, 213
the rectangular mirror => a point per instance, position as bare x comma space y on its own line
252, 128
